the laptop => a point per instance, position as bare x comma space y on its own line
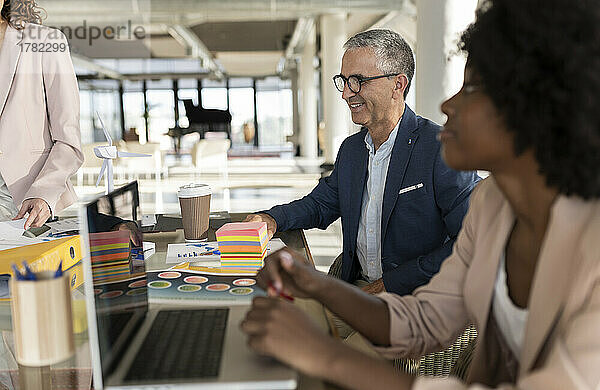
134, 346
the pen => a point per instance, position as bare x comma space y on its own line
59, 271
281, 293
29, 275
64, 234
18, 274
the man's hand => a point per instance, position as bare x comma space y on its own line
287, 272
375, 288
38, 210
261, 217
135, 234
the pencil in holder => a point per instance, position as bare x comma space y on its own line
42, 319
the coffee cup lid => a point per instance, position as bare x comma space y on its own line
193, 189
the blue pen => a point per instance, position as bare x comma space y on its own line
59, 271
63, 234
29, 275
18, 274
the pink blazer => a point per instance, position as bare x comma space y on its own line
40, 140
561, 349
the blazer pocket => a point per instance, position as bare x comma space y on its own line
35, 130
412, 191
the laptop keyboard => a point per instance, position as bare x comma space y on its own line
181, 344
114, 323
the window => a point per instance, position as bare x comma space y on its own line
274, 111
162, 116
214, 98
106, 104
186, 94
85, 117
134, 113
99, 97
242, 111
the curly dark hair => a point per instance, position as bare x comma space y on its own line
539, 62
19, 12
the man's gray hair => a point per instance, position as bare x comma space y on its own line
392, 52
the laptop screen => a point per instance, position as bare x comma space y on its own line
117, 266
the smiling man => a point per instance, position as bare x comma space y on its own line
401, 206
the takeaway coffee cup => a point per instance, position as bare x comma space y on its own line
194, 200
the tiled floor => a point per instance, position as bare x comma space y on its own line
248, 185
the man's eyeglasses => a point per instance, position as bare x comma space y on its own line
355, 82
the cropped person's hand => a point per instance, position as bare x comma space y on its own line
286, 271
38, 210
374, 288
262, 217
135, 234
280, 329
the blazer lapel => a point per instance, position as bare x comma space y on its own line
403, 147
557, 261
9, 57
490, 248
357, 186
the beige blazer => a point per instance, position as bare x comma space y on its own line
561, 349
40, 140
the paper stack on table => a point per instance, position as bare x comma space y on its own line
12, 229
20, 241
242, 245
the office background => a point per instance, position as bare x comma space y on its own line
269, 63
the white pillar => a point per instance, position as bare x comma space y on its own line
308, 91
295, 102
439, 72
335, 112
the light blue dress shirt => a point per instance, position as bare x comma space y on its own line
368, 241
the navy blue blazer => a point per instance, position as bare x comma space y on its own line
418, 227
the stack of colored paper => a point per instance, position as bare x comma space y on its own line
110, 255
242, 245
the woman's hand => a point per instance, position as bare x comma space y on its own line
38, 210
280, 329
287, 272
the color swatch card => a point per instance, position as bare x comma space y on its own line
242, 245
124, 293
209, 268
196, 288
194, 253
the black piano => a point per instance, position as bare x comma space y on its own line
201, 120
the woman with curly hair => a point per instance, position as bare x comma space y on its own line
40, 140
525, 268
